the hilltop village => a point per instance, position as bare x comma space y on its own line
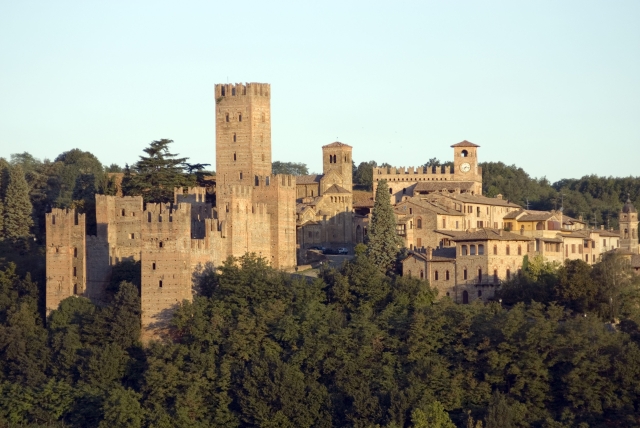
463, 243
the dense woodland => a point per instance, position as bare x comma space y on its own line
359, 346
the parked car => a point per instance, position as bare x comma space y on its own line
343, 250
317, 247
330, 251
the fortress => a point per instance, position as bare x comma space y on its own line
255, 212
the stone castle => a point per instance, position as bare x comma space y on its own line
255, 212
464, 243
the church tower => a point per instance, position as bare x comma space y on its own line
243, 133
336, 159
629, 227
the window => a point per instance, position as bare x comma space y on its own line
495, 250
435, 276
234, 137
123, 212
508, 274
131, 236
586, 258
519, 250
419, 223
410, 210
472, 250
160, 283
479, 275
464, 250
153, 266
444, 223
240, 175
495, 276
480, 249
226, 116
446, 276
239, 117
421, 274
160, 244
464, 273
508, 250
464, 153
390, 191
419, 243
457, 224
465, 297
75, 271
75, 252
256, 180
234, 156
478, 211
573, 248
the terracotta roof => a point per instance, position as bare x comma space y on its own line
465, 143
336, 189
362, 198
491, 235
611, 233
529, 215
432, 206
558, 240
308, 179
435, 186
336, 144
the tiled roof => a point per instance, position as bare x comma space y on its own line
432, 206
308, 179
529, 215
435, 186
362, 198
445, 252
465, 143
479, 199
491, 235
336, 144
336, 189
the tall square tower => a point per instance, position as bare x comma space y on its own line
243, 133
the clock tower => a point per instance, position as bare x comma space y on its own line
465, 164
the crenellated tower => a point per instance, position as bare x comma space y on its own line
629, 227
243, 132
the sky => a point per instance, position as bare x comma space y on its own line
550, 86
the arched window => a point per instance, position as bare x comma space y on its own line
464, 153
390, 191
464, 250
480, 249
419, 223
472, 250
435, 276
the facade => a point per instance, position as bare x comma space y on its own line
255, 212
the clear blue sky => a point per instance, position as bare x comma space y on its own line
551, 86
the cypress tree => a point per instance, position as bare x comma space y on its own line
4, 178
384, 243
17, 206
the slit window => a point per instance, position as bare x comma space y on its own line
160, 244
153, 266
75, 271
234, 137
160, 283
227, 117
75, 252
239, 117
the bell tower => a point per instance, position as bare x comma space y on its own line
465, 164
337, 157
629, 227
243, 132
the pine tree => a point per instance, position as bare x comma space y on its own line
384, 243
17, 206
4, 178
157, 174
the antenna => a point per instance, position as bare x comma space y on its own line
527, 199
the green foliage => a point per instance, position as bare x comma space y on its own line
293, 168
17, 207
433, 416
384, 243
156, 175
124, 271
363, 175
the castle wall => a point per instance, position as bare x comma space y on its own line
166, 265
65, 254
119, 221
98, 268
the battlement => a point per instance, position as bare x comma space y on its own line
192, 195
65, 217
242, 90
421, 170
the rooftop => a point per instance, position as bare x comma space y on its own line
465, 143
490, 235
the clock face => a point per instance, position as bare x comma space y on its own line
465, 167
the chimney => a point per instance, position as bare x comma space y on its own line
602, 227
429, 253
499, 196
500, 232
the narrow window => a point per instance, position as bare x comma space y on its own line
227, 117
464, 250
464, 274
153, 266
234, 156
495, 250
446, 276
233, 92
123, 212
223, 92
435, 275
419, 223
479, 275
508, 274
257, 181
75, 252
508, 250
519, 250
239, 117
241, 175
479, 293
495, 276
444, 223
75, 271
149, 217
472, 250
160, 283
131, 236
421, 274
160, 244
234, 137
390, 191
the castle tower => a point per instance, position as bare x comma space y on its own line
465, 164
337, 157
629, 227
243, 132
66, 256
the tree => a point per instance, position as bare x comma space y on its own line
384, 243
156, 175
363, 175
433, 416
4, 179
293, 168
17, 206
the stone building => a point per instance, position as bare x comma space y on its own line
255, 212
